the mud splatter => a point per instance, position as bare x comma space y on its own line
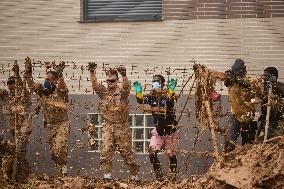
251, 166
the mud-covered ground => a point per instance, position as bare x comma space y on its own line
251, 166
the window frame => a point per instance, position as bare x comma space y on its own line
84, 16
132, 127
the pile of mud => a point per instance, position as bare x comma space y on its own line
251, 166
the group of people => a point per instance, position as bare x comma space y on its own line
243, 92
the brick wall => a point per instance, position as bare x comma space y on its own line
222, 9
49, 30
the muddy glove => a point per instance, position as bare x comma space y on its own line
28, 66
122, 71
16, 68
172, 86
92, 66
138, 89
59, 69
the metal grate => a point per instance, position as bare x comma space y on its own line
123, 10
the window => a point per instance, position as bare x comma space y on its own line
140, 125
122, 10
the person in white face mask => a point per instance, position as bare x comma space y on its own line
164, 135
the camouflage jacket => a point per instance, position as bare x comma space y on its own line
54, 106
114, 106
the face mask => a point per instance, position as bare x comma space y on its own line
156, 85
48, 87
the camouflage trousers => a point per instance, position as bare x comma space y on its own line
117, 137
15, 164
58, 134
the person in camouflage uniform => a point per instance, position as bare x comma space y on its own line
276, 120
53, 100
16, 108
116, 130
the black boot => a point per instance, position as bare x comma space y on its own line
156, 164
173, 168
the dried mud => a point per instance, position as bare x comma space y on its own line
251, 166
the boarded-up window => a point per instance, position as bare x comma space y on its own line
122, 10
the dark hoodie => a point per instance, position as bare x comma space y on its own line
271, 76
237, 74
239, 92
239, 68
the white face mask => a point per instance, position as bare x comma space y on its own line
156, 85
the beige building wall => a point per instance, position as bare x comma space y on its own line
50, 30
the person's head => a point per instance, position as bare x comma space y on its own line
11, 83
112, 79
52, 77
270, 74
50, 82
158, 82
239, 68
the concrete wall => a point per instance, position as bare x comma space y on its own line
84, 163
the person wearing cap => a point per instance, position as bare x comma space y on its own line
162, 101
53, 101
16, 107
242, 91
276, 120
114, 107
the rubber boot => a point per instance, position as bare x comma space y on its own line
173, 168
156, 165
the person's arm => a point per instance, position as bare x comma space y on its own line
200, 69
28, 76
3, 92
257, 86
171, 99
62, 87
93, 77
172, 84
19, 82
218, 75
141, 99
98, 87
125, 81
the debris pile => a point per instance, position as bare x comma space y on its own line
251, 166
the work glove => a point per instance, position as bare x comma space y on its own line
122, 71
28, 66
138, 89
172, 86
92, 66
16, 68
59, 69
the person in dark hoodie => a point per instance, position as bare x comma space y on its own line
276, 120
164, 134
242, 91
